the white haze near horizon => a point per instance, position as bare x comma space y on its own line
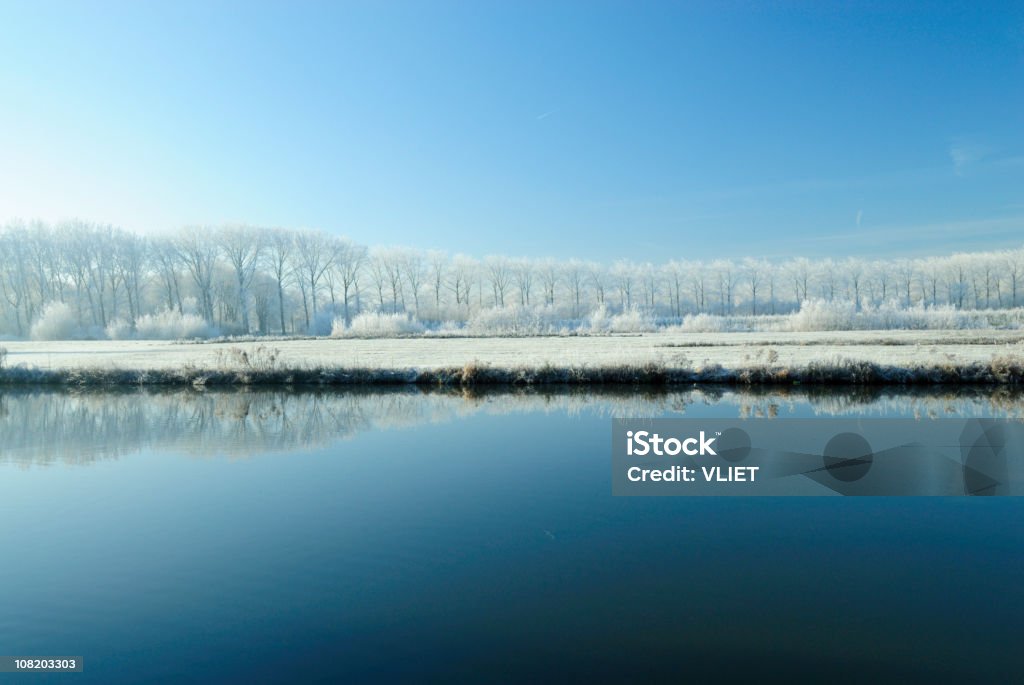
913, 241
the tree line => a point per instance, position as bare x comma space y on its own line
249, 279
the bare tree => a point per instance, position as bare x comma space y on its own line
854, 269
104, 273
905, 270
242, 246
575, 278
800, 270
278, 258
723, 270
414, 270
199, 255
1014, 268
698, 281
548, 271
14, 283
754, 271
649, 285
438, 274
597, 277
459, 274
349, 260
379, 277
674, 272
314, 258
523, 274
623, 272
392, 261
499, 275
130, 261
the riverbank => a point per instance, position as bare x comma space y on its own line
847, 358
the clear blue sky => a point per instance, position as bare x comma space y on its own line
591, 129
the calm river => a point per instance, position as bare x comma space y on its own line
321, 537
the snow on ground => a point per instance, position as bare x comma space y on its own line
674, 349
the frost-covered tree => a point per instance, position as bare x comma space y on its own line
548, 272
754, 271
800, 271
522, 276
575, 279
242, 247
278, 260
698, 286
673, 273
437, 272
624, 273
725, 275
413, 266
1014, 260
257, 280
499, 276
597, 277
349, 260
199, 255
314, 256
460, 275
854, 270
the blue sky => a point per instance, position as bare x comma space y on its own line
598, 130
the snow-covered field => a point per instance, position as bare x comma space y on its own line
671, 349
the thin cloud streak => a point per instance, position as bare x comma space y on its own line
903, 240
966, 153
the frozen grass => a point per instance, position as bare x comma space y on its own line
661, 358
262, 367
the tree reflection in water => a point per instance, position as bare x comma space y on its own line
46, 426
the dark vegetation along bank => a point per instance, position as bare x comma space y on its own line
263, 368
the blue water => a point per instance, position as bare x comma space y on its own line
376, 537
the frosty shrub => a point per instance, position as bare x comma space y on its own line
170, 324
703, 323
377, 325
57, 322
631, 321
119, 329
891, 316
1006, 318
819, 315
514, 320
734, 323
600, 320
842, 315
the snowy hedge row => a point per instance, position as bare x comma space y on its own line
60, 322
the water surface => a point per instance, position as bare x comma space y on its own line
304, 537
